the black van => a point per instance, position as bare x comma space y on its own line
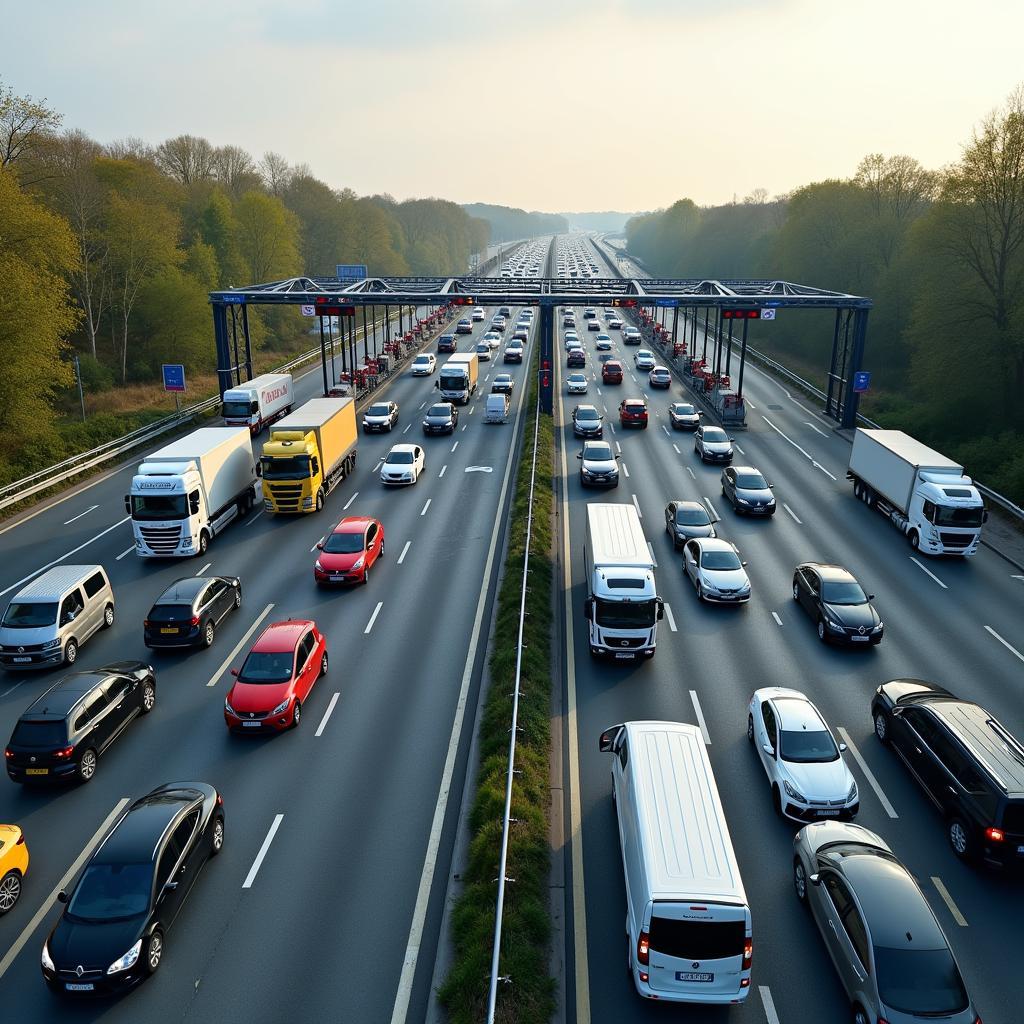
967, 762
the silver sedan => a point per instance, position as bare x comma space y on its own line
716, 571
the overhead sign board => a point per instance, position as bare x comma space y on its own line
351, 271
670, 303
767, 314
233, 300
307, 310
861, 381
174, 377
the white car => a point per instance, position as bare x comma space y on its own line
576, 384
493, 338
715, 569
424, 364
615, 323
808, 776
568, 337
403, 464
644, 360
483, 350
478, 314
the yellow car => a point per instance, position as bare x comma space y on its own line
13, 865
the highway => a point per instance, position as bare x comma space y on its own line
954, 622
339, 833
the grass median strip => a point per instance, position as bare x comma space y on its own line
529, 998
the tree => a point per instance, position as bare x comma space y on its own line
186, 158
219, 229
277, 175
24, 123
234, 168
268, 237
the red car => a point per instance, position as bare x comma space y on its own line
633, 413
349, 550
611, 372
276, 678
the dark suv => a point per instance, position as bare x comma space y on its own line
967, 762
61, 736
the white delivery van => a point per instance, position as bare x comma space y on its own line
496, 408
688, 935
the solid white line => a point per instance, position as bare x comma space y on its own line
671, 619
637, 504
68, 522
707, 501
700, 718
423, 511
405, 550
868, 774
738, 448
618, 447
380, 462
67, 554
693, 476
650, 547
769, 1006
454, 446
674, 445
775, 616
127, 551
26, 933
255, 517
1009, 647
948, 900
344, 508
241, 643
625, 469
204, 568
750, 405
792, 513
802, 451
11, 689
373, 617
251, 877
408, 427
807, 423
327, 714
928, 572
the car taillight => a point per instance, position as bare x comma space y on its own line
145, 623
995, 834
220, 800
194, 620
748, 953
64, 752
643, 949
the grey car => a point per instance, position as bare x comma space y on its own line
747, 491
441, 418
587, 421
889, 951
685, 520
599, 467
379, 417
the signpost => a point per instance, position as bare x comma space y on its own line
174, 380
307, 310
767, 314
861, 381
350, 271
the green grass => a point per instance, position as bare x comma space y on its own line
526, 924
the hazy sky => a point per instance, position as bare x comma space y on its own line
545, 104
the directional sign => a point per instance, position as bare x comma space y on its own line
670, 303
174, 377
307, 310
233, 300
767, 314
861, 381
351, 271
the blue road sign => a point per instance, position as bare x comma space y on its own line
861, 381
351, 271
671, 303
174, 377
233, 300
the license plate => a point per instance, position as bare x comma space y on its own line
829, 814
1020, 849
694, 976
168, 629
21, 660
337, 579
859, 639
251, 725
80, 986
624, 657
37, 771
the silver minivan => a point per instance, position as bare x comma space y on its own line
50, 618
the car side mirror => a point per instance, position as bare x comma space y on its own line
768, 749
579, 456
606, 743
128, 504
842, 748
661, 609
744, 564
234, 671
62, 897
984, 516
896, 712
814, 879
437, 383
588, 608
170, 886
871, 597
259, 469
732, 440
319, 545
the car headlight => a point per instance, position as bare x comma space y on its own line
853, 795
318, 566
126, 961
794, 793
358, 563
282, 707
742, 501
878, 628
229, 709
50, 644
709, 586
47, 962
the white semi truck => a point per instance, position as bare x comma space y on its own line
259, 401
923, 493
622, 607
186, 493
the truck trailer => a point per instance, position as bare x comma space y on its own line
258, 402
184, 494
308, 454
459, 377
924, 493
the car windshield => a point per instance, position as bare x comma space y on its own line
720, 560
343, 543
30, 614
39, 734
587, 414
682, 410
807, 747
292, 467
751, 481
692, 516
267, 667
482, 346
843, 593
945, 516
440, 410
236, 409
170, 613
715, 434
598, 453
920, 981
378, 409
159, 506
399, 459
625, 614
421, 360
635, 407
112, 892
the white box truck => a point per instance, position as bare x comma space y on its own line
458, 377
259, 401
925, 494
622, 608
184, 494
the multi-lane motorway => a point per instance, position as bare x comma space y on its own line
940, 619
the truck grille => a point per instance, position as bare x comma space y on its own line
286, 497
161, 539
22, 649
625, 642
956, 540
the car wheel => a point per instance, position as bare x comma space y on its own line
859, 1016
10, 890
319, 499
800, 880
238, 599
700, 592
208, 634
204, 542
108, 616
366, 575
217, 842
858, 490
776, 800
822, 636
87, 765
70, 652
154, 951
882, 726
629, 955
796, 592
323, 664
296, 715
750, 728
148, 697
960, 839
915, 540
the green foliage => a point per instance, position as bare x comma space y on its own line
508, 224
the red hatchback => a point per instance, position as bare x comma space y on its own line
633, 413
276, 678
349, 550
611, 373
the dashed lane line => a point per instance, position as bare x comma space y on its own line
796, 518
258, 862
948, 900
405, 551
241, 643
1013, 650
373, 617
927, 572
868, 773
700, 718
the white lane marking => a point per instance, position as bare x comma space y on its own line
487, 376
663, 427
472, 409
67, 554
928, 572
443, 468
707, 501
405, 551
700, 718
637, 504
16, 947
634, 378
373, 617
127, 551
255, 517
807, 423
625, 469
618, 447
750, 405
454, 446
769, 1006
344, 508
654, 560
948, 900
11, 689
693, 476
671, 619
204, 568
802, 451
380, 462
612, 425
1009, 647
738, 448
775, 616
254, 870
327, 715
423, 511
225, 664
796, 518
674, 445
464, 425
599, 392
92, 508
408, 427
423, 406
868, 774
1013, 577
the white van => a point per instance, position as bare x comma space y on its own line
496, 408
688, 936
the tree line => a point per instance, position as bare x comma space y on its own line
509, 224
941, 253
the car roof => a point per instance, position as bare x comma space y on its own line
796, 711
281, 636
633, 401
60, 698
136, 836
986, 738
714, 544
52, 583
403, 448
832, 573
353, 524
183, 590
746, 469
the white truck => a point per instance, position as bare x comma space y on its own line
259, 401
458, 377
187, 492
622, 608
925, 494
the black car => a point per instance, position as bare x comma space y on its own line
505, 311
747, 491
587, 421
970, 765
61, 736
684, 416
447, 343
111, 934
189, 611
837, 603
576, 358
441, 418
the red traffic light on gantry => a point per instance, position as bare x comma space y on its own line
624, 302
463, 300
741, 314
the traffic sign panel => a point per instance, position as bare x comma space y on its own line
351, 271
174, 377
307, 310
861, 381
767, 314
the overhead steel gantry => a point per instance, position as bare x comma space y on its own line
738, 299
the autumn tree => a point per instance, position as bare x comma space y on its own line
24, 123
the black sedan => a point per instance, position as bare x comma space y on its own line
747, 491
683, 416
441, 418
111, 934
838, 605
189, 611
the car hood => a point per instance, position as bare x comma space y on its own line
437, 421
717, 446
644, 364
257, 696
383, 418
682, 530
93, 945
593, 466
830, 780
853, 614
726, 579
762, 495
685, 417
339, 561
24, 637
